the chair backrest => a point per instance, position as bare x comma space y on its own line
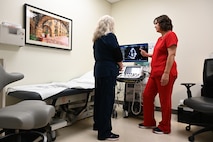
207, 89
7, 78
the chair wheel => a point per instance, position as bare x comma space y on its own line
191, 138
188, 128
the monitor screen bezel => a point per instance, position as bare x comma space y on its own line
140, 58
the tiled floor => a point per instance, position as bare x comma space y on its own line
128, 130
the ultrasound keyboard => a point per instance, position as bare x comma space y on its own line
131, 72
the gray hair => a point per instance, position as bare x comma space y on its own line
105, 26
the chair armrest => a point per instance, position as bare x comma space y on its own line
7, 78
188, 85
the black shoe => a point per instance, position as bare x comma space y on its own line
159, 131
145, 127
111, 137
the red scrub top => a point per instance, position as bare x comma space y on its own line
160, 54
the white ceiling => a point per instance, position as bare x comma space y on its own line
113, 1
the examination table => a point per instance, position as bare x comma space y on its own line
73, 100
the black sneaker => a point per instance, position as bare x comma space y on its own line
158, 131
145, 127
112, 137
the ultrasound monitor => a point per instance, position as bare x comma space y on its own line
131, 52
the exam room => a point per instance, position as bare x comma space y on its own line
192, 20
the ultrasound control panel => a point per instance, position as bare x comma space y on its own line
131, 72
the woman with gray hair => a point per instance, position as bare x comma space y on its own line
108, 62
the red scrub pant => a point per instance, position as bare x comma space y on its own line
153, 88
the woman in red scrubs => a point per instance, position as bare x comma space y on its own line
162, 77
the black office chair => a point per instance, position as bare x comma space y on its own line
202, 105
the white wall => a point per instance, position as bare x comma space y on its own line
192, 20
41, 64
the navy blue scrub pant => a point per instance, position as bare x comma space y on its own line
103, 104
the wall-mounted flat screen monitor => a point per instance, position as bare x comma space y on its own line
131, 52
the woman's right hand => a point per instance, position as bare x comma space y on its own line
144, 53
120, 64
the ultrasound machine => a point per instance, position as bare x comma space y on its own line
133, 77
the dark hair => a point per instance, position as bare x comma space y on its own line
165, 22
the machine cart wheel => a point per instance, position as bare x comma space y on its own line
125, 109
114, 114
125, 114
